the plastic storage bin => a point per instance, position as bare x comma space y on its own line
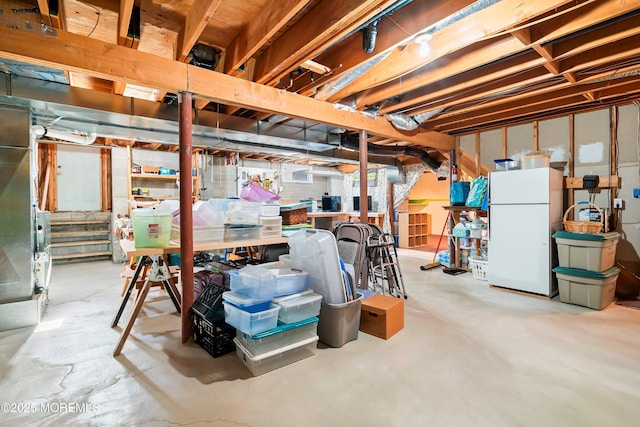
295, 308
201, 233
593, 252
271, 226
151, 228
234, 233
339, 323
275, 359
251, 323
270, 209
280, 336
535, 160
316, 252
243, 213
259, 282
587, 288
247, 303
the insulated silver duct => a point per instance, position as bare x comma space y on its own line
351, 142
404, 122
332, 88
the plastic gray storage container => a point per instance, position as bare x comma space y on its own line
587, 288
592, 252
339, 323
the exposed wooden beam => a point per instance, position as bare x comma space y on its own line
259, 31
326, 21
630, 89
606, 181
108, 61
491, 20
545, 32
437, 71
415, 17
523, 80
533, 100
196, 21
497, 76
43, 5
124, 19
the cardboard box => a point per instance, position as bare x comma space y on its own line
382, 316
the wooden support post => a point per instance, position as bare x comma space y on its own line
536, 136
504, 143
572, 143
186, 213
105, 169
364, 156
478, 170
390, 210
613, 164
451, 222
52, 159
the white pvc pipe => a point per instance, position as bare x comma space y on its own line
41, 131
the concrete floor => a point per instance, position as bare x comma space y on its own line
469, 355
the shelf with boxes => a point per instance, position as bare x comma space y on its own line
149, 185
468, 239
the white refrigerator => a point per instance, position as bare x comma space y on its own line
525, 209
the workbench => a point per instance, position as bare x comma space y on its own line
155, 259
373, 217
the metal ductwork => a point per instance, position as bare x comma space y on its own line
369, 35
404, 122
351, 142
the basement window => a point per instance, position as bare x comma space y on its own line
299, 174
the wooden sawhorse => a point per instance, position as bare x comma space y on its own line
159, 273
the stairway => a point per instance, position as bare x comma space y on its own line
80, 236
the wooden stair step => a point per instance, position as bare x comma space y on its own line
82, 222
81, 255
80, 243
78, 233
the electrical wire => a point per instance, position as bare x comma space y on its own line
97, 20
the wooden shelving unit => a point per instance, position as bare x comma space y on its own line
413, 229
159, 183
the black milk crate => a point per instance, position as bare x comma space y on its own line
216, 338
209, 303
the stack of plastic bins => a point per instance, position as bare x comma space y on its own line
264, 341
586, 272
242, 221
316, 252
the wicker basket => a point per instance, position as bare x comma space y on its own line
294, 216
586, 227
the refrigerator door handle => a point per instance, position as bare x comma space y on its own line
489, 223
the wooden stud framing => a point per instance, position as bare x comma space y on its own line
572, 149
105, 180
607, 181
478, 157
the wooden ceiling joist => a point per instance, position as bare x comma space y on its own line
105, 60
